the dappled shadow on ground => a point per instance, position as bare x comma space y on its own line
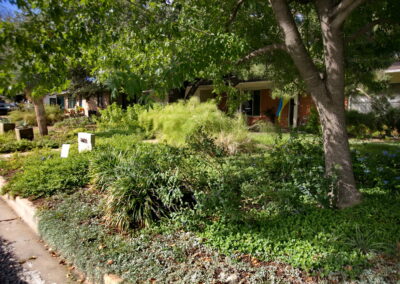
10, 269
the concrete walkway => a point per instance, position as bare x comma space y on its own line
19, 246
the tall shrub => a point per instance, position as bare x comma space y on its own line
174, 123
114, 117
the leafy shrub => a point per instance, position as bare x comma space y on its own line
297, 171
361, 124
53, 114
9, 144
201, 142
382, 123
221, 184
174, 123
378, 169
313, 124
392, 119
45, 174
74, 122
142, 184
27, 115
114, 117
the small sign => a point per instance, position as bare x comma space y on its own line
85, 141
65, 150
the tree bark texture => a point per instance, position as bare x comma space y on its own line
39, 112
40, 116
327, 91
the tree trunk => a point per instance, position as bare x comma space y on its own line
40, 116
337, 153
327, 91
40, 112
332, 115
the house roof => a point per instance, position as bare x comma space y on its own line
394, 68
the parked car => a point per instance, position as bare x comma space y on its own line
5, 108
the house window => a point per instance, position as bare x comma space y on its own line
53, 101
71, 102
80, 101
100, 100
60, 101
252, 106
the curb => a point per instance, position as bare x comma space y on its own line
27, 212
24, 209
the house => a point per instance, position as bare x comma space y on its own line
85, 101
263, 105
362, 102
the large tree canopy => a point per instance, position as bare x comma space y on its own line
31, 60
319, 47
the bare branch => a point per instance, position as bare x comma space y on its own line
261, 51
343, 10
233, 15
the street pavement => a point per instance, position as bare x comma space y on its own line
23, 258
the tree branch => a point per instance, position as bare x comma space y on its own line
366, 28
343, 10
295, 46
233, 15
261, 51
194, 88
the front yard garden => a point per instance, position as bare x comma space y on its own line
211, 204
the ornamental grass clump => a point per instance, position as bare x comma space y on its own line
175, 123
141, 184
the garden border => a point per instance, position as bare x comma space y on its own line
25, 210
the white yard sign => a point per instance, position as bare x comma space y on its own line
85, 141
65, 150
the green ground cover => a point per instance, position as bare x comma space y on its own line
198, 213
62, 132
9, 144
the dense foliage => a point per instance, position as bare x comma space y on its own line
272, 206
74, 122
378, 167
116, 118
176, 123
9, 144
318, 240
142, 184
26, 115
73, 225
45, 174
373, 124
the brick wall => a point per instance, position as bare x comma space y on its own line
305, 105
269, 106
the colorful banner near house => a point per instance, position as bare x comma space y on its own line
281, 106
